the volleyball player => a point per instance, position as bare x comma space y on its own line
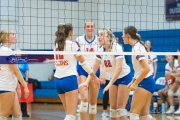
119, 72
88, 43
153, 59
143, 83
9, 73
66, 79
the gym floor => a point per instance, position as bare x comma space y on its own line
43, 111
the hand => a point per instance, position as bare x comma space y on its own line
84, 84
107, 87
18, 91
131, 83
133, 86
26, 92
97, 82
102, 80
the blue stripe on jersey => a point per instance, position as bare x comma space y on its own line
139, 56
167, 70
88, 41
117, 55
98, 56
77, 43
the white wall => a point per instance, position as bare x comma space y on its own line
35, 21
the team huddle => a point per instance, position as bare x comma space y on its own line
91, 70
83, 74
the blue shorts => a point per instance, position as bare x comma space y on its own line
124, 80
3, 91
148, 84
82, 72
66, 84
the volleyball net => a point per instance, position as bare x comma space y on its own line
35, 23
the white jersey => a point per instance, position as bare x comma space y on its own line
110, 61
173, 69
138, 47
153, 58
66, 64
86, 46
8, 80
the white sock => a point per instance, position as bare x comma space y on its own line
3, 118
70, 117
17, 118
171, 107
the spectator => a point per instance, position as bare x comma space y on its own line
163, 93
173, 70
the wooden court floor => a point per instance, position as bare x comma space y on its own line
42, 111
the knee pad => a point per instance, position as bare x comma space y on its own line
178, 92
70, 117
113, 113
3, 118
146, 117
121, 112
83, 106
170, 93
17, 118
92, 109
134, 116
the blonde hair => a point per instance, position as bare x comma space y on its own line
111, 35
3, 35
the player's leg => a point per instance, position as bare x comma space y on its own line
144, 114
122, 98
113, 90
139, 99
70, 87
84, 98
71, 99
16, 110
171, 92
6, 103
93, 98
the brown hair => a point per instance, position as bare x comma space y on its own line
3, 35
132, 31
61, 34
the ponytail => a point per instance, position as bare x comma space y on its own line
142, 43
60, 37
61, 34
